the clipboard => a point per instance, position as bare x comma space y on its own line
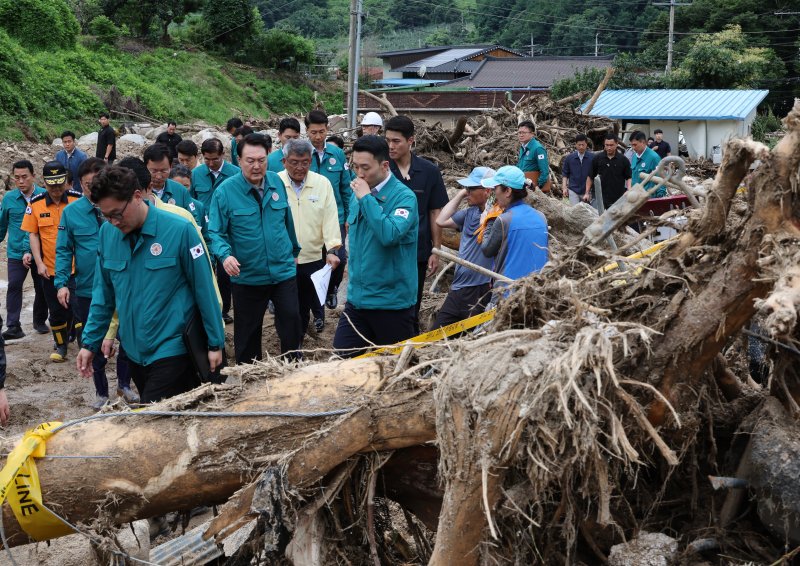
196, 341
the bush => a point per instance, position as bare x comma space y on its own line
764, 124
278, 48
104, 30
14, 68
40, 24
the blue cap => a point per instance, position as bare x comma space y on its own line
510, 176
478, 174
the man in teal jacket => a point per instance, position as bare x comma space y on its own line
383, 220
532, 154
77, 242
151, 268
252, 235
288, 129
644, 160
329, 161
12, 210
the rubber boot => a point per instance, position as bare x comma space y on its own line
78, 330
60, 338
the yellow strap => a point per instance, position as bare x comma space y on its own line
19, 483
434, 335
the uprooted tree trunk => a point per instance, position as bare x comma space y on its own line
541, 425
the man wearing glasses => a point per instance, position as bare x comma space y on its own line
253, 236
533, 156
316, 222
153, 269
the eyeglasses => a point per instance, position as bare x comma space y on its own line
251, 161
117, 215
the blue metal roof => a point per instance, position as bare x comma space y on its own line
406, 82
674, 104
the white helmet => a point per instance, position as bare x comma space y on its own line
372, 119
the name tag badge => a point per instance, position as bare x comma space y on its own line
313, 198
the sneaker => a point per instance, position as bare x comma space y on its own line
332, 299
129, 395
319, 324
60, 355
41, 327
227, 318
13, 333
99, 402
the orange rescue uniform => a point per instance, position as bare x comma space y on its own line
43, 217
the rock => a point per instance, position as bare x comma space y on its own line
135, 138
774, 465
209, 133
57, 142
76, 550
648, 549
154, 133
337, 122
88, 139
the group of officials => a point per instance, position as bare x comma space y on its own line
153, 252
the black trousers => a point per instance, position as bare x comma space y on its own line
338, 273
307, 298
422, 270
80, 309
17, 272
250, 305
224, 284
358, 329
463, 303
164, 378
60, 318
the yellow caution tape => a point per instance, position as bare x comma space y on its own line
434, 335
19, 483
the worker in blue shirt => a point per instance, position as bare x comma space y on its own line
12, 211
288, 129
533, 156
76, 244
152, 269
382, 287
644, 160
575, 169
517, 239
253, 237
329, 161
71, 158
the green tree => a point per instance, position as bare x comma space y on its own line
40, 24
725, 60
104, 30
230, 22
280, 48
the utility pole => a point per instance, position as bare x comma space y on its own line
671, 4
596, 44
531, 45
353, 61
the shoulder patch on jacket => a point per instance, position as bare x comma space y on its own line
74, 193
38, 197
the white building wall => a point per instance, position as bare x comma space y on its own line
720, 131
670, 129
694, 134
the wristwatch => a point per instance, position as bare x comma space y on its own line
213, 348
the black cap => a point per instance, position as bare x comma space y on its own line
54, 173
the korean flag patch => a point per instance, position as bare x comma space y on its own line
197, 251
191, 206
401, 212
540, 156
28, 210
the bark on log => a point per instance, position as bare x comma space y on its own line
600, 88
165, 464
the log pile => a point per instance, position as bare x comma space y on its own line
592, 409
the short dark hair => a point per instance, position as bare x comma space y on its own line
402, 124
104, 115
115, 182
91, 165
243, 131
172, 123
156, 152
611, 136
638, 136
233, 123
255, 139
67, 134
658, 131
289, 124
316, 117
212, 145
527, 124
187, 147
23, 164
70, 180
581, 137
337, 141
180, 171
139, 169
376, 145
